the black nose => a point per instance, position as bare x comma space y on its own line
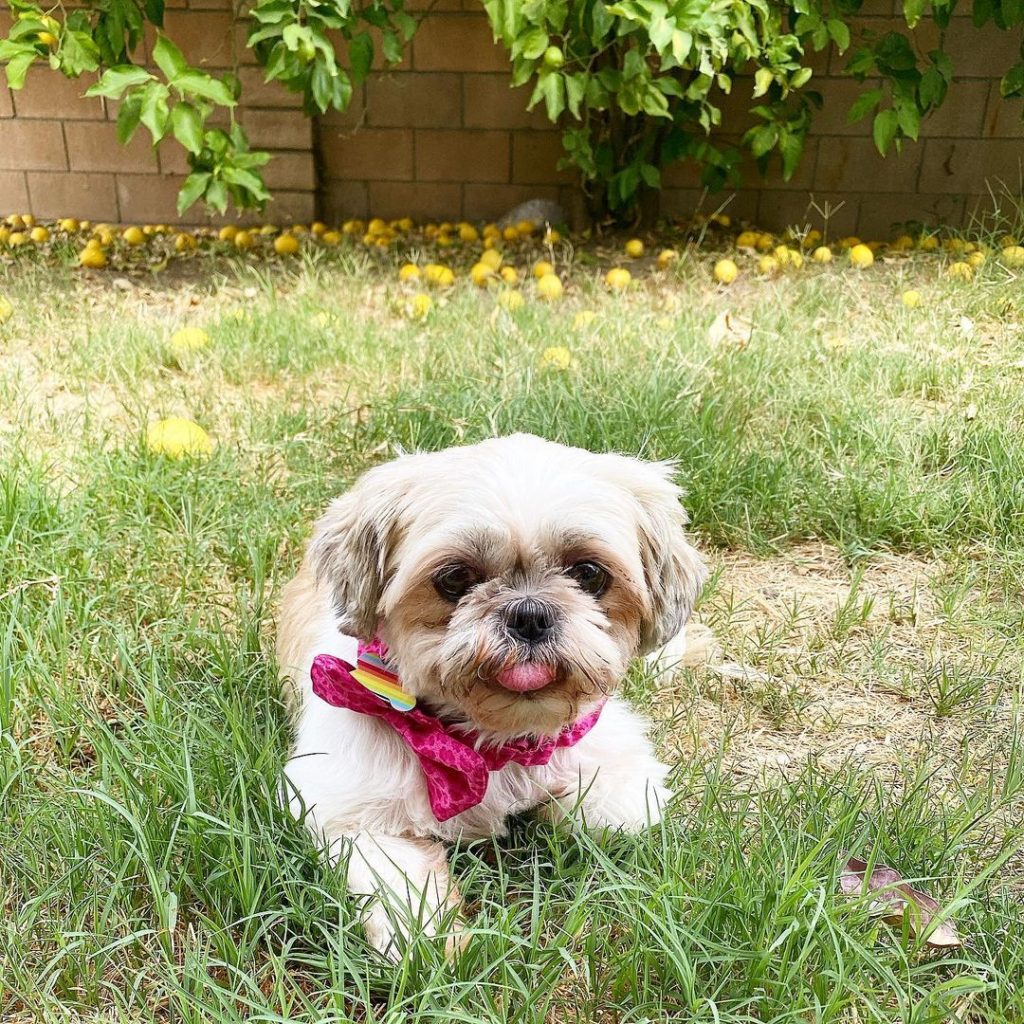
530, 620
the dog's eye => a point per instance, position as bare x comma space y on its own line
454, 581
590, 578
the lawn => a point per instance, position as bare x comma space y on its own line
855, 474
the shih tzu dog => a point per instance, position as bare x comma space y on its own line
452, 645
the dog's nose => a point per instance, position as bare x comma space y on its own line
530, 620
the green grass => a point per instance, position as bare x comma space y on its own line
146, 871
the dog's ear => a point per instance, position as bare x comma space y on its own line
353, 543
673, 570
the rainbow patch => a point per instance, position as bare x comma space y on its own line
373, 672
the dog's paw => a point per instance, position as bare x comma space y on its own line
616, 803
395, 936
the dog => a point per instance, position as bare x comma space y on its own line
451, 648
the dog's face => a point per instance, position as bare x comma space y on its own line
512, 580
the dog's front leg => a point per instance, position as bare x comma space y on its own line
404, 887
611, 778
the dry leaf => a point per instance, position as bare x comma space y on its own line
894, 901
734, 670
730, 329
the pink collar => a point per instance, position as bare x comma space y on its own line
455, 769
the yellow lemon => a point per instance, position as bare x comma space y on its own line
550, 287
133, 236
929, 243
331, 238
666, 258
244, 240
722, 219
405, 224
6, 310
510, 234
17, 238
481, 274
468, 233
318, 228
1013, 255
768, 265
525, 227
353, 227
491, 257
509, 275
764, 242
810, 240
177, 438
552, 236
1006, 241
960, 271
189, 339
39, 234
511, 300
911, 298
747, 240
902, 243
976, 258
421, 306
726, 272
541, 268
849, 242
286, 245
618, 278
409, 272
861, 256
823, 254
557, 357
93, 257
634, 248
184, 241
227, 233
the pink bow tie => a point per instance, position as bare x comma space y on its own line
455, 771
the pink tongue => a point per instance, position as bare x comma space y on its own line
526, 677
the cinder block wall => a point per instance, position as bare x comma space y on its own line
443, 136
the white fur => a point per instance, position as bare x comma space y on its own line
360, 787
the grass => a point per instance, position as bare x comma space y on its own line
856, 476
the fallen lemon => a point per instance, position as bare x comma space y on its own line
976, 258
861, 256
421, 306
960, 271
747, 240
468, 233
511, 300
557, 357
492, 257
244, 240
39, 234
911, 298
331, 238
509, 275
6, 310
634, 248
1013, 255
227, 233
550, 287
133, 236
177, 438
768, 266
481, 274
184, 242
541, 268
188, 339
409, 272
618, 278
823, 254
667, 257
93, 257
286, 245
726, 272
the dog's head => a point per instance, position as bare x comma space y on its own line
512, 580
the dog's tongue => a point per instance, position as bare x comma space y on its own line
522, 678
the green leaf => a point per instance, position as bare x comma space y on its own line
532, 44
864, 104
198, 83
16, 68
839, 33
550, 89
217, 195
169, 59
909, 119
1012, 83
763, 78
360, 52
791, 146
187, 126
193, 187
154, 113
128, 117
252, 183
114, 81
801, 78
884, 130
913, 10
931, 90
